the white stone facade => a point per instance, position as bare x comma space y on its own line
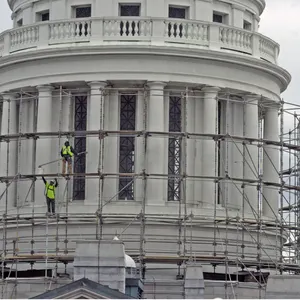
214, 53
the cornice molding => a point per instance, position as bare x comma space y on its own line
246, 61
253, 66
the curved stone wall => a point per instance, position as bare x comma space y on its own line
241, 13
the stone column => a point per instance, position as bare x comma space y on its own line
66, 112
237, 16
62, 108
112, 146
25, 153
236, 196
94, 122
256, 20
139, 147
43, 144
190, 148
155, 145
271, 163
198, 148
251, 156
30, 143
9, 150
209, 162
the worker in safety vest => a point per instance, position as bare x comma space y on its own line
67, 152
50, 194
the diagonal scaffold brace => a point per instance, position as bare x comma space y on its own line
8, 184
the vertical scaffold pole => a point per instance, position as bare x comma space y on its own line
243, 246
68, 183
281, 191
33, 170
259, 206
143, 206
217, 183
290, 197
297, 241
100, 172
176, 178
186, 104
20, 131
6, 199
60, 114
296, 203
99, 228
225, 193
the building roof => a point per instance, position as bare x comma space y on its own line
83, 289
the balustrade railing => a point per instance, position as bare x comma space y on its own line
24, 37
186, 31
160, 31
232, 38
267, 49
127, 29
67, 31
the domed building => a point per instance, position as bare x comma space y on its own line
172, 109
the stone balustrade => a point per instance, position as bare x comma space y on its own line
154, 31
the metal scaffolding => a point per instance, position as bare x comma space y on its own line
223, 251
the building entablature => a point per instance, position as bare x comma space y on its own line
238, 13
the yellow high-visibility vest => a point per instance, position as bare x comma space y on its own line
50, 191
67, 151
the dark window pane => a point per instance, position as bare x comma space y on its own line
247, 25
83, 12
174, 162
80, 122
177, 12
130, 10
83, 28
217, 18
127, 146
45, 16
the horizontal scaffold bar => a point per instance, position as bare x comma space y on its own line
214, 260
106, 133
62, 217
244, 181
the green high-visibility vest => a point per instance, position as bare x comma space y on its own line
67, 151
50, 191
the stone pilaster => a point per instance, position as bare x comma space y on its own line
43, 144
155, 144
95, 110
209, 162
8, 159
271, 163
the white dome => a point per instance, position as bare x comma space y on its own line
129, 262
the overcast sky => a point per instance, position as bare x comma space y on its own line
280, 21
